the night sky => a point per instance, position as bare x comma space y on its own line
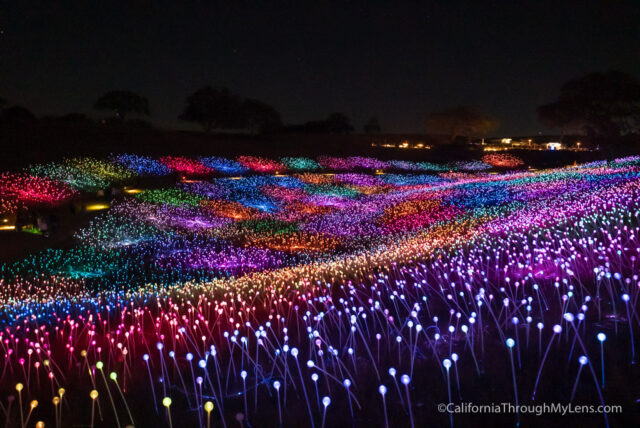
394, 60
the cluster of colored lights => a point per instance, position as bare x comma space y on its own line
300, 164
469, 166
260, 164
88, 174
142, 165
226, 166
183, 165
29, 190
329, 298
502, 160
334, 163
84, 173
174, 197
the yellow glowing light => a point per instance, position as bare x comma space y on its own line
97, 207
8, 227
133, 191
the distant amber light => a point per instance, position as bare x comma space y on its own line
97, 207
133, 191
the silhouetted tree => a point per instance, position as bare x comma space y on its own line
372, 126
604, 105
123, 103
18, 114
214, 108
338, 123
75, 118
259, 117
69, 119
463, 121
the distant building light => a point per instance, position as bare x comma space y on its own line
506, 141
554, 146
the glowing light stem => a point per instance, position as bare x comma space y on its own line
373, 361
510, 342
243, 375
447, 365
556, 330
153, 390
383, 390
26, 421
113, 404
625, 298
294, 352
569, 318
276, 385
575, 385
115, 380
325, 402
601, 338
20, 404
406, 380
175, 363
93, 411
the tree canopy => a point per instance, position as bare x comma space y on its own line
18, 114
123, 103
461, 121
372, 126
219, 108
259, 117
604, 105
338, 123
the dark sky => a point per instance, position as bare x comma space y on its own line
394, 59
